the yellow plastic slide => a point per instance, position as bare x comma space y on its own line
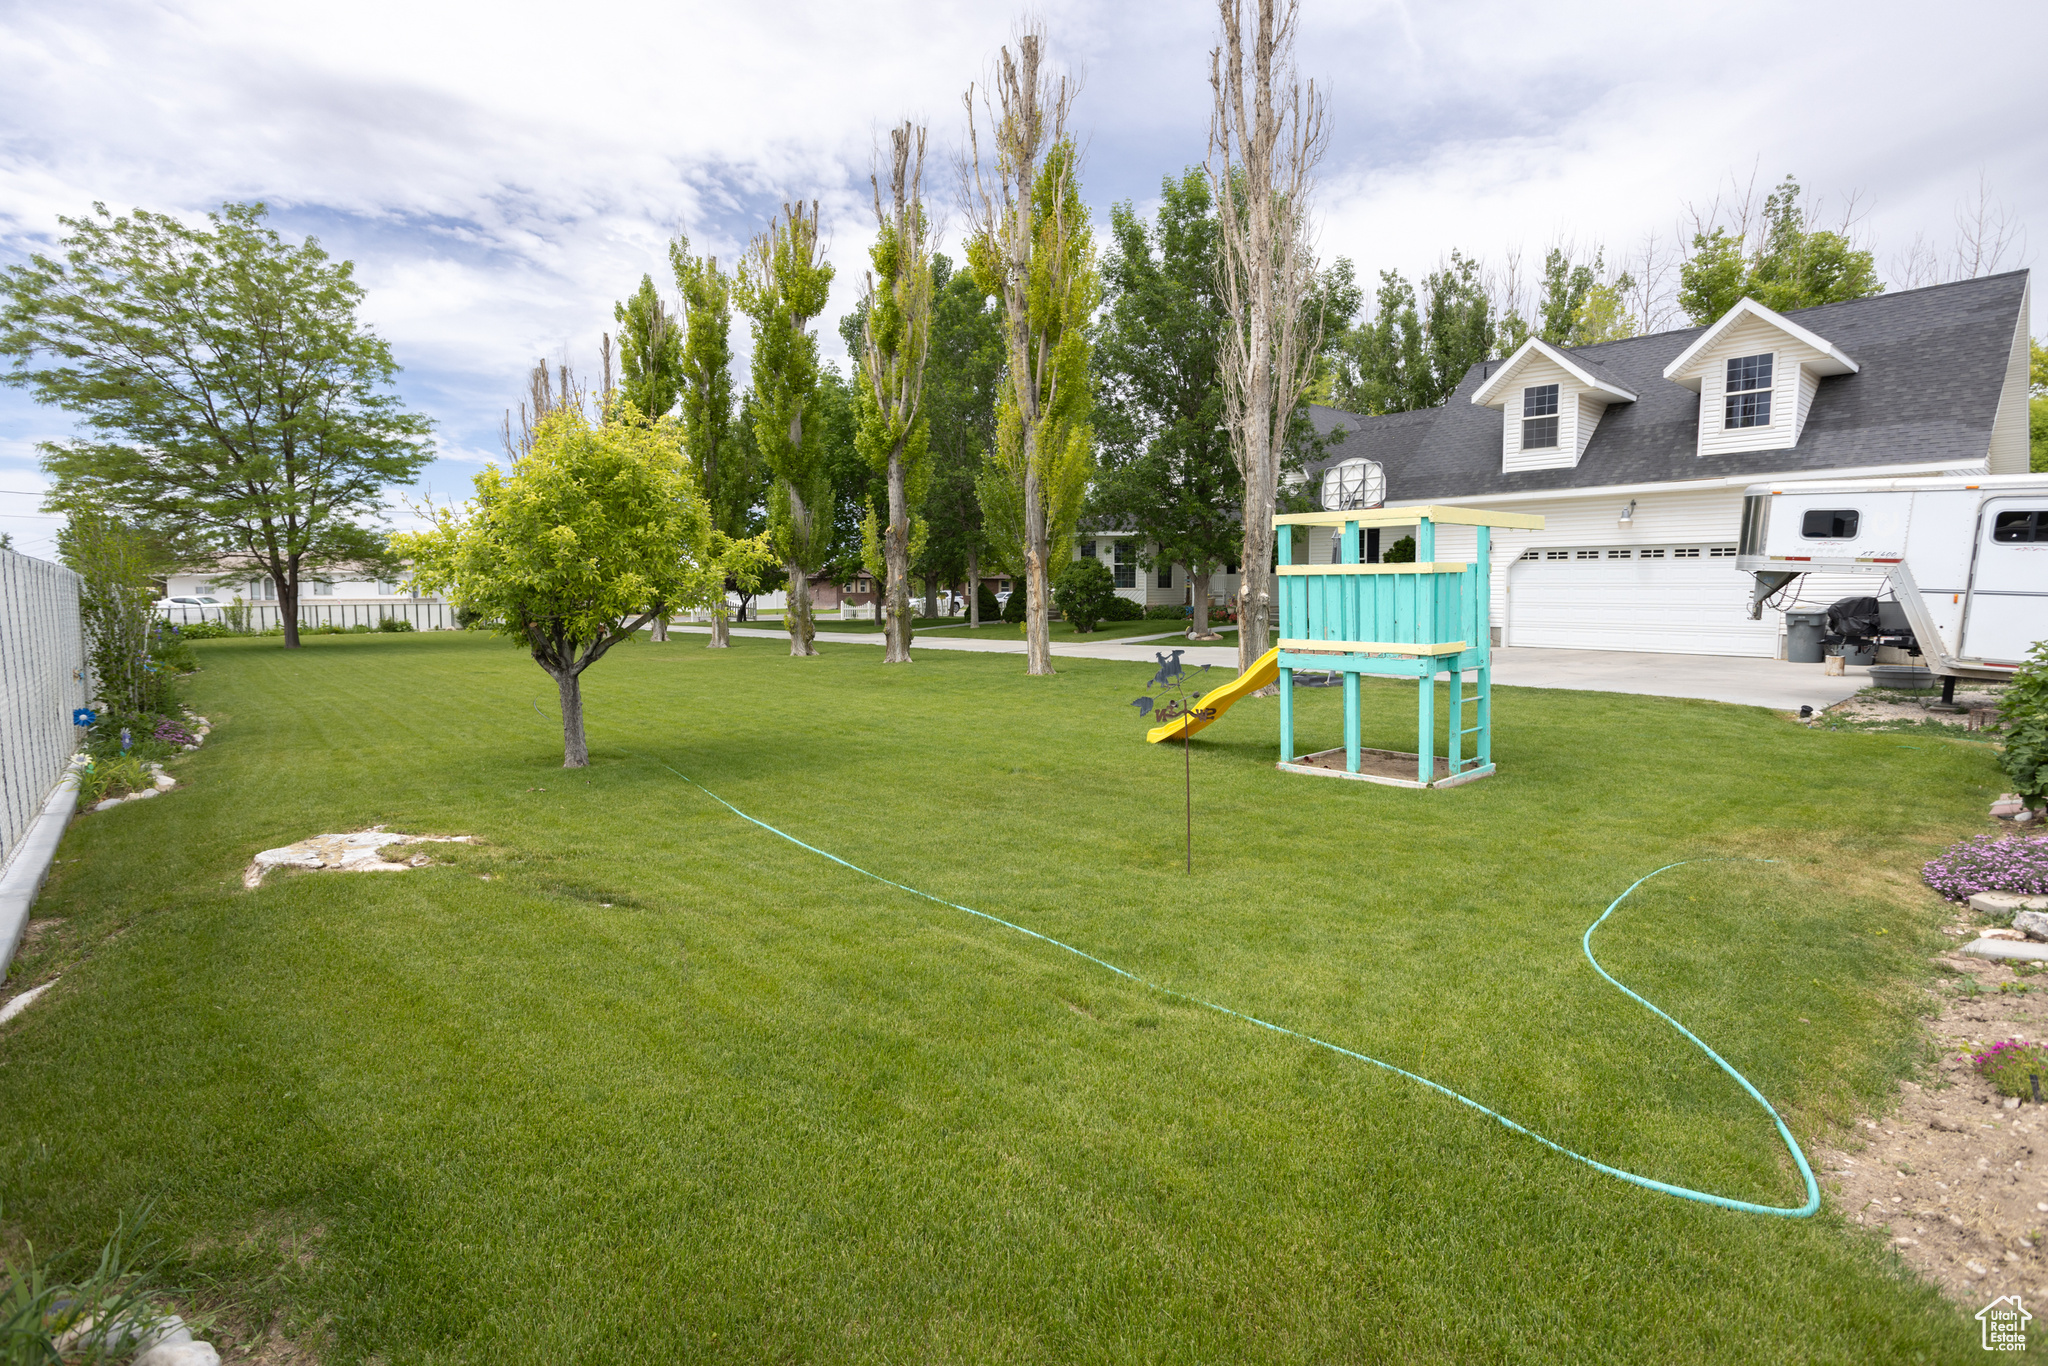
1265, 669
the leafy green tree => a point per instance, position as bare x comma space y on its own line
1793, 265
594, 533
1416, 348
237, 404
962, 377
895, 342
724, 459
783, 284
1029, 245
1083, 591
650, 352
1167, 470
2037, 407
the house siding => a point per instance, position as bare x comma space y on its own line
1702, 517
2011, 447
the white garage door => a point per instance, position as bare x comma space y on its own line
1669, 599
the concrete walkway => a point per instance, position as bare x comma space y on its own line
1715, 678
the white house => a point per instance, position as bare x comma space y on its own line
1636, 452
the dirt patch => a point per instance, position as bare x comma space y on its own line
38, 928
1886, 706
1955, 1180
1380, 763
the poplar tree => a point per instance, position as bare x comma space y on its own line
723, 462
783, 285
1031, 247
650, 352
1265, 138
895, 341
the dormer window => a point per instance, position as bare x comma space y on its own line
1749, 391
1550, 400
1539, 417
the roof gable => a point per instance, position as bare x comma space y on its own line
1496, 389
1687, 367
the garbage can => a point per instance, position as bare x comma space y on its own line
1803, 632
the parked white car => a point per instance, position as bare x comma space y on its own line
184, 609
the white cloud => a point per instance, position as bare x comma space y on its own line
502, 173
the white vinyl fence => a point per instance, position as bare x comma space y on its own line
425, 614
42, 680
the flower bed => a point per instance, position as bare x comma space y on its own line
1988, 863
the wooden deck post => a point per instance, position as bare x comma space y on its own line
1284, 544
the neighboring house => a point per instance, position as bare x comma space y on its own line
1636, 453
1166, 585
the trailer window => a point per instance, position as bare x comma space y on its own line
2021, 524
1830, 524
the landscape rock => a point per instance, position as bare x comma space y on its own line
2005, 903
180, 1354
22, 1002
1947, 1125
353, 853
2034, 924
108, 805
129, 1333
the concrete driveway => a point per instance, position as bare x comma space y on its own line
1714, 678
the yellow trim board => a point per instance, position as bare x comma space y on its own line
1428, 567
1442, 515
1375, 647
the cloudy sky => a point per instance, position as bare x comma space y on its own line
501, 174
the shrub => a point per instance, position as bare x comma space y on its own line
1013, 608
2010, 1066
1083, 592
205, 630
985, 599
1990, 863
2024, 712
1400, 552
394, 624
112, 777
1123, 609
168, 654
1168, 612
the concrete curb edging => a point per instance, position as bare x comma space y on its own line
25, 872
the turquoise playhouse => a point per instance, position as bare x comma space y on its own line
1420, 620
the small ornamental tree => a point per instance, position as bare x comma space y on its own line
595, 532
1083, 592
2024, 710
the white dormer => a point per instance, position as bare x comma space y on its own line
1756, 373
1550, 403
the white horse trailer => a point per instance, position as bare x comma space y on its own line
1965, 559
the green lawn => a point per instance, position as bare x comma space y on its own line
639, 1082
1002, 630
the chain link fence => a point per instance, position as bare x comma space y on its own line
42, 680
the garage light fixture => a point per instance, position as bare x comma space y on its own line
1628, 515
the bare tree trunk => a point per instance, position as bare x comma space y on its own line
575, 753
721, 629
896, 555
1198, 592
931, 595
1264, 143
973, 588
657, 631
1037, 590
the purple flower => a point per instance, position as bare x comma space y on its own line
1990, 863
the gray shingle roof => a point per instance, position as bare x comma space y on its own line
1933, 362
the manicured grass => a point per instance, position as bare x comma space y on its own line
666, 1088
